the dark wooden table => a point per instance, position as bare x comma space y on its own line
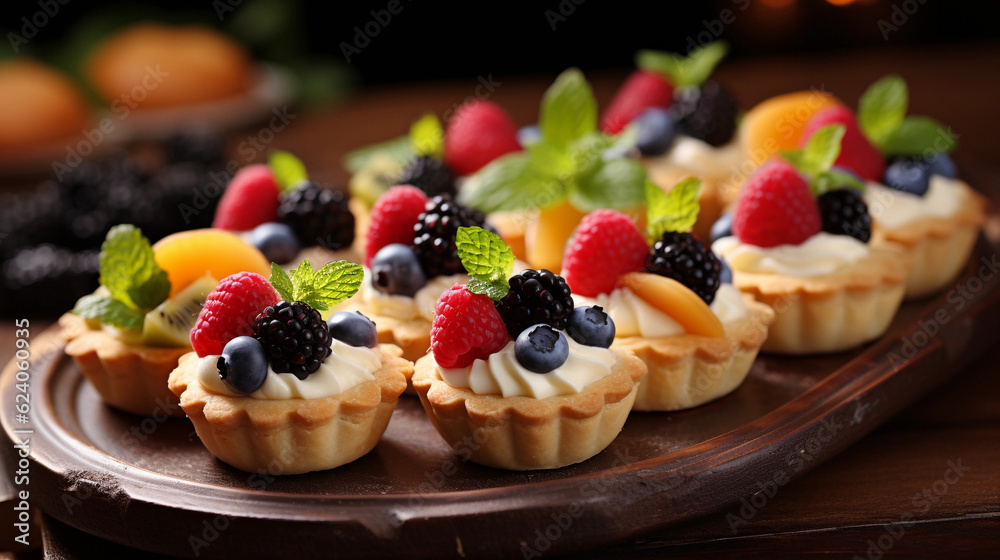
927, 483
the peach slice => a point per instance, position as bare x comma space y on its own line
776, 124
189, 255
545, 238
676, 300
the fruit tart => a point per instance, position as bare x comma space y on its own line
918, 203
410, 259
278, 209
126, 338
808, 257
505, 372
684, 123
672, 304
273, 387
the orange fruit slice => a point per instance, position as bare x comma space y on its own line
189, 255
676, 300
545, 238
776, 124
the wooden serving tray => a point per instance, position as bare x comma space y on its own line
148, 483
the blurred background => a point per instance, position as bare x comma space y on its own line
86, 143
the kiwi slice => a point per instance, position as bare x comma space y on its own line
171, 322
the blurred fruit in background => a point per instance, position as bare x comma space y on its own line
39, 106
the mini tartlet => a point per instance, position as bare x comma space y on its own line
127, 349
808, 257
517, 369
673, 304
273, 387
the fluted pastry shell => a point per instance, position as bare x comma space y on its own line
129, 377
292, 436
687, 370
831, 312
525, 433
938, 247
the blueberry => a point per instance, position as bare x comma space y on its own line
351, 327
591, 326
908, 174
723, 227
941, 164
726, 275
656, 131
541, 349
396, 270
529, 135
243, 365
277, 241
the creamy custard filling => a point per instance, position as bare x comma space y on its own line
501, 374
822, 253
894, 209
345, 368
421, 305
702, 158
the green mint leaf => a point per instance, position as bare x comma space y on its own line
679, 70
550, 159
819, 153
832, 180
588, 152
281, 282
493, 290
676, 210
287, 168
919, 136
129, 270
302, 281
427, 136
110, 312
399, 149
512, 182
568, 109
618, 184
882, 107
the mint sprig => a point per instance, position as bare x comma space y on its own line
567, 163
427, 137
676, 210
487, 259
135, 282
321, 289
815, 161
882, 117
288, 169
679, 70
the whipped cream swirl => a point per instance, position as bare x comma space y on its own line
894, 209
822, 253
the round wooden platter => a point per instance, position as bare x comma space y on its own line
148, 483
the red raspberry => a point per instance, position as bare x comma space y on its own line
642, 90
251, 199
392, 219
230, 311
856, 152
776, 208
605, 245
478, 133
466, 327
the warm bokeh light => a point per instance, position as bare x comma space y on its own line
777, 3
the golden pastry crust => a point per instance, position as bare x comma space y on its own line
292, 436
938, 247
686, 371
831, 312
129, 377
525, 433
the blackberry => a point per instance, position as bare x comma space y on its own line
295, 337
684, 257
47, 280
844, 212
434, 235
535, 296
707, 112
428, 174
318, 216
